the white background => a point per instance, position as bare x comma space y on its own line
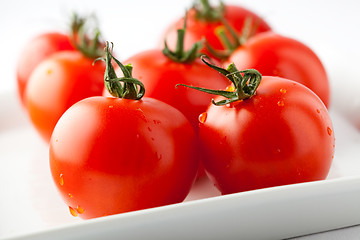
330, 28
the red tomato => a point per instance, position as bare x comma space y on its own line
114, 155
57, 83
275, 55
281, 135
38, 49
160, 75
199, 28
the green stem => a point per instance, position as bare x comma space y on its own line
224, 39
235, 41
86, 39
245, 83
124, 87
180, 55
206, 12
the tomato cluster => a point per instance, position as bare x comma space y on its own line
136, 134
60, 74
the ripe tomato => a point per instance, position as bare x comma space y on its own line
111, 155
160, 75
35, 51
57, 83
203, 21
282, 135
265, 133
275, 55
114, 155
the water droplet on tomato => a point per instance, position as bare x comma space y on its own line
141, 114
79, 210
61, 180
283, 90
329, 131
73, 212
223, 140
149, 129
156, 121
280, 103
318, 110
70, 195
111, 106
203, 117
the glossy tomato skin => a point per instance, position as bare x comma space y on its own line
57, 83
160, 75
275, 55
111, 155
197, 29
282, 135
37, 50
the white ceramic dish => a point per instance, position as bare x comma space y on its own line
32, 209
275, 213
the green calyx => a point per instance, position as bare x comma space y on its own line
124, 87
230, 39
180, 55
228, 36
245, 83
206, 12
85, 36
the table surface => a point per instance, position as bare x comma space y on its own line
328, 27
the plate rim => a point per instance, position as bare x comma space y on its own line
328, 189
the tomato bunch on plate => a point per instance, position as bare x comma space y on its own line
224, 96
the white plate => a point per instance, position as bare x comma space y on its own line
32, 209
275, 213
